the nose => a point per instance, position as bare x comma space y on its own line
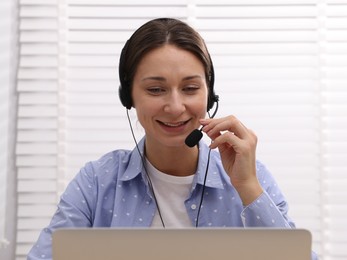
175, 104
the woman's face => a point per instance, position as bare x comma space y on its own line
169, 94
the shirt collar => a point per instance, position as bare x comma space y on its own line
214, 173
135, 165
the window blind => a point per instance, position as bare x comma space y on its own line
37, 120
334, 127
280, 67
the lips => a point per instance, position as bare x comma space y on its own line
174, 124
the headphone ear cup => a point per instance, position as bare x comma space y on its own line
124, 92
210, 101
124, 97
212, 97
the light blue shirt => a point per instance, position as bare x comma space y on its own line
113, 192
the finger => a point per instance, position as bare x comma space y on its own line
227, 138
240, 146
213, 136
230, 123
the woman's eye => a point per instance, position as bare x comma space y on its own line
190, 89
155, 91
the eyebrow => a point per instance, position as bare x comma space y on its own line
163, 79
193, 77
154, 78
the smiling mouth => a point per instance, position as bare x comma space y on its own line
175, 124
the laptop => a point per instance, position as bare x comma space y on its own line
181, 244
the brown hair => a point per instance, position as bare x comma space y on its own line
154, 34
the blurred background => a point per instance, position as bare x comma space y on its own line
280, 65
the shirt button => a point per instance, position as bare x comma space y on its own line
193, 206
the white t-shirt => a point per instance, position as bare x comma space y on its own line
171, 192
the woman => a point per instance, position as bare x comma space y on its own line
166, 75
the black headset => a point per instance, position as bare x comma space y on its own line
124, 90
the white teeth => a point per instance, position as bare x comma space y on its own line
170, 124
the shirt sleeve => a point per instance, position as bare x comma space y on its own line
270, 209
263, 212
74, 210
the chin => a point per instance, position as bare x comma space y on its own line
173, 142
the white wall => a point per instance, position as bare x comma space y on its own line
8, 64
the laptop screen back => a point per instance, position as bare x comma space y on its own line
173, 244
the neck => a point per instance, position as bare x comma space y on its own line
177, 161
